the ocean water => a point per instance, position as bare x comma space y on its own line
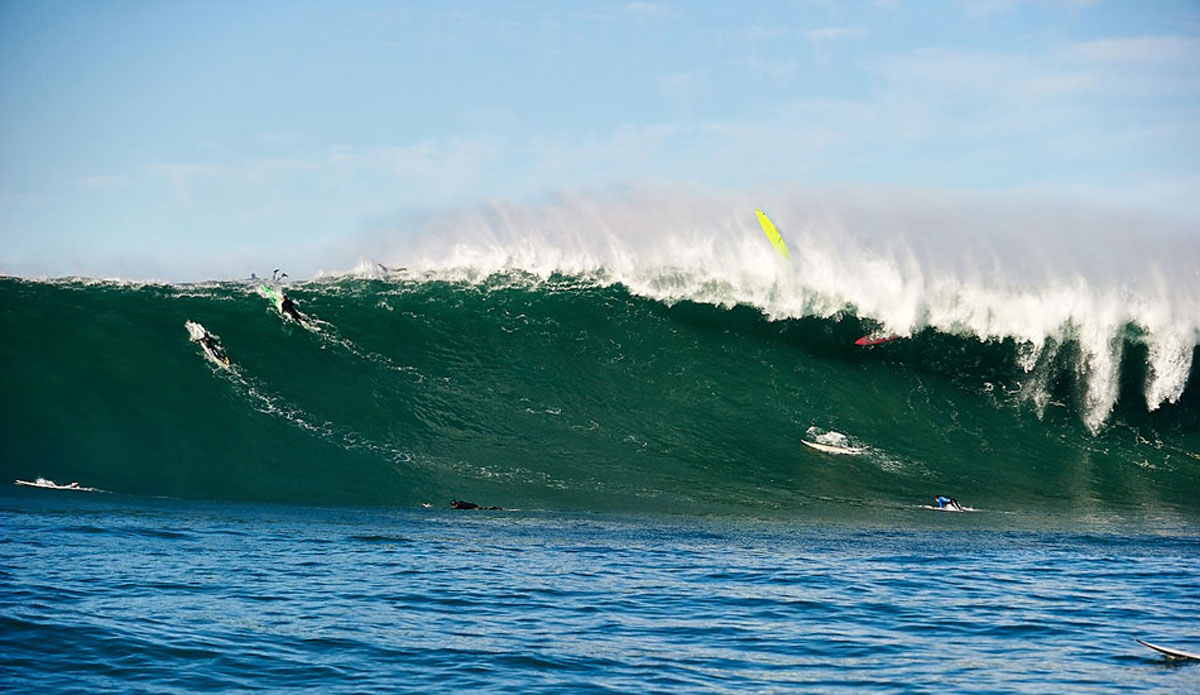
636, 404
103, 594
564, 393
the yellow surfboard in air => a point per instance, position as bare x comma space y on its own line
773, 234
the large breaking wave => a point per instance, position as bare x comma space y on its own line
987, 267
635, 349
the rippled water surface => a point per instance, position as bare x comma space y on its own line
103, 594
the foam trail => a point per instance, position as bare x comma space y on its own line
260, 398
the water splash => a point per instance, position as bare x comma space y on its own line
994, 267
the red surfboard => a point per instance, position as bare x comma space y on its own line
869, 340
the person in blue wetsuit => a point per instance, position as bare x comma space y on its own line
949, 504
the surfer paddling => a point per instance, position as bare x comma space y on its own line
285, 305
288, 308
949, 504
459, 504
208, 343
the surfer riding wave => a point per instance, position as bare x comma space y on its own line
208, 342
285, 305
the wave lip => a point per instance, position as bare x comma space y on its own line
992, 267
576, 392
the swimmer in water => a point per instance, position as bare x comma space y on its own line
214, 346
459, 504
949, 504
288, 307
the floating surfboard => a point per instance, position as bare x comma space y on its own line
197, 333
51, 485
932, 508
772, 233
831, 449
1169, 652
875, 339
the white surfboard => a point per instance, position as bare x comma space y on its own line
961, 508
51, 485
220, 360
1169, 652
831, 449
196, 333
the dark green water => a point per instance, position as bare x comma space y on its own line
561, 394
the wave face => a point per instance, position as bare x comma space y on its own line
570, 391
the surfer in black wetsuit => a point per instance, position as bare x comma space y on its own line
459, 504
288, 307
209, 341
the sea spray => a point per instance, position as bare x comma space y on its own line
991, 267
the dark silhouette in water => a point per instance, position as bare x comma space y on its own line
459, 504
210, 341
287, 306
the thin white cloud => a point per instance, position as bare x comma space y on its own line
1110, 69
647, 9
181, 175
949, 68
683, 87
265, 167
391, 13
291, 139
779, 71
834, 33
1142, 49
26, 199
988, 8
1061, 85
953, 114
758, 33
95, 183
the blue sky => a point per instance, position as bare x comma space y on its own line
183, 140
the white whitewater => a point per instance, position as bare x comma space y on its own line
989, 266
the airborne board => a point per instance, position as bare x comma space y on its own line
772, 233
